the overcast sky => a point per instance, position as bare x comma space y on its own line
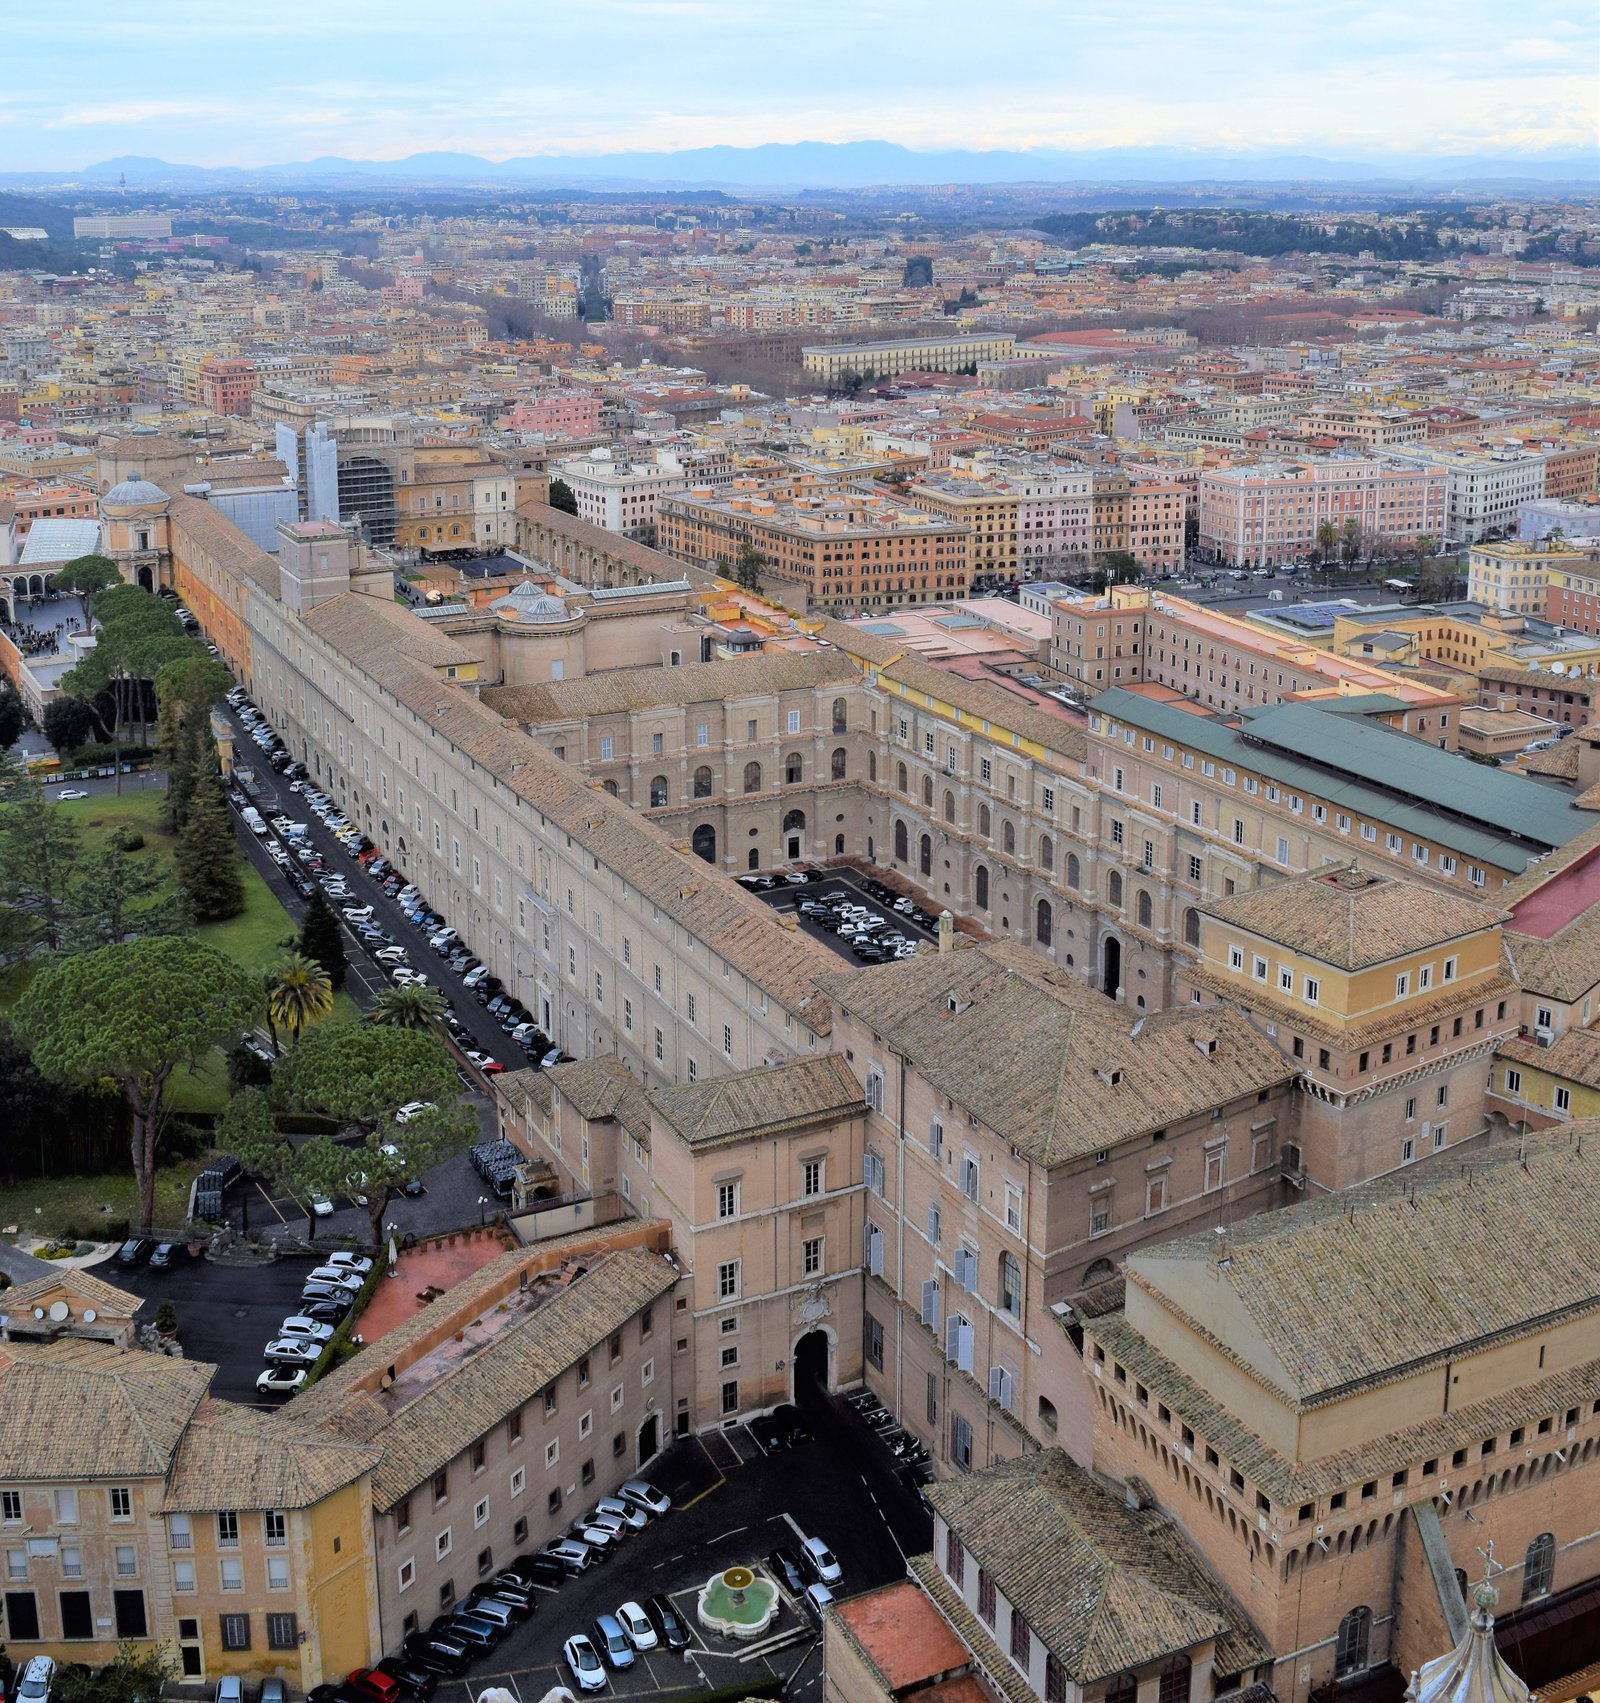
213, 83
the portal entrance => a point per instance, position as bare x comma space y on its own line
1112, 979
811, 1365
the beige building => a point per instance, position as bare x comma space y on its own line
832, 362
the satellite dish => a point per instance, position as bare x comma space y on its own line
59, 1310
89, 1315
38, 1312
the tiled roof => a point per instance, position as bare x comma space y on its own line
1050, 1065
81, 1410
604, 1087
1564, 857
360, 627
1353, 1287
1103, 1586
1353, 918
1563, 966
759, 1102
93, 1291
1559, 763
232, 1457
225, 543
527, 1090
619, 691
1574, 1056
421, 1424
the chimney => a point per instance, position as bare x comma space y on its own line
947, 931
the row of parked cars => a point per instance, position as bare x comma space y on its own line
870, 936
329, 1293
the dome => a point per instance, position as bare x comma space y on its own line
133, 491
532, 604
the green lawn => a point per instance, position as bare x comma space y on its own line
253, 939
45, 1205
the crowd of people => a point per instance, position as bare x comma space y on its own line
37, 637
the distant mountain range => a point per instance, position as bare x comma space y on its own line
829, 165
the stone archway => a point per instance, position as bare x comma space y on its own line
813, 1359
1111, 963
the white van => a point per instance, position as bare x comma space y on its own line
252, 820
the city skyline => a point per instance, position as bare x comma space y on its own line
1336, 81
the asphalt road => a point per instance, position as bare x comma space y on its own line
731, 1504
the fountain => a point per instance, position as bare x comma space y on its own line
737, 1603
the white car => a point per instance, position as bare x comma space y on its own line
320, 1204
282, 1380
72, 792
633, 1516
293, 1351
820, 1559
583, 1662
411, 1109
636, 1626
646, 1496
339, 1274
612, 1523
349, 1262
298, 1326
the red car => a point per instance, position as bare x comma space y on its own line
371, 1683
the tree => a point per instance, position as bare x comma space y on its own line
1121, 568
135, 1012
186, 688
208, 859
322, 940
561, 497
136, 1676
409, 1007
68, 722
747, 571
363, 1074
1327, 540
299, 995
117, 894
84, 577
40, 854
1350, 540
13, 714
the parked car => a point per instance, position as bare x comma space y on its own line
358, 1263
320, 1204
612, 1643
283, 1379
499, 1615
136, 1250
571, 1556
815, 1600
292, 1351
598, 1538
436, 1653
230, 1689
168, 1254
37, 1679
669, 1624
636, 1627
512, 1592
584, 1664
298, 1325
535, 1570
335, 1274
630, 1513
373, 1683
643, 1494
483, 1629
326, 1312
272, 1690
412, 1677
784, 1565
818, 1560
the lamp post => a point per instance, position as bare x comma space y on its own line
483, 1214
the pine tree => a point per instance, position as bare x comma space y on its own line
321, 940
208, 859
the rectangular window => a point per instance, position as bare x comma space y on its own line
275, 1528
443, 1544
236, 1631
1513, 1081
283, 1632
727, 1200
232, 1573
986, 1608
182, 1576
811, 1177
811, 1255
277, 1572
728, 1280
228, 1529
1562, 1100
121, 1504
874, 1342
1313, 990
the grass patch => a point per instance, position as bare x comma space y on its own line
44, 1204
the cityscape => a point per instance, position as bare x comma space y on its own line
800, 815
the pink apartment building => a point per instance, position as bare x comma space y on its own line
572, 413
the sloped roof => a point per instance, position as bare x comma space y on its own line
1103, 1586
1050, 1065
231, 1457
759, 1102
59, 539
1353, 918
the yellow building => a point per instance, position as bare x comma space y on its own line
1514, 576
989, 509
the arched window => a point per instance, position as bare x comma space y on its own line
610, 786
1351, 1646
752, 777
1142, 908
792, 768
1123, 1689
1044, 925
949, 806
838, 846
872, 765
925, 855
1011, 1285
901, 852
1114, 890
838, 763
1073, 875
980, 888
901, 781
838, 715
1008, 839
1047, 1414
1539, 1567
1047, 852
704, 842
1099, 1272
794, 822
658, 791
702, 782
985, 826
927, 791
1174, 1686
1191, 927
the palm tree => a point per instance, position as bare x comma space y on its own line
1327, 540
408, 1008
299, 994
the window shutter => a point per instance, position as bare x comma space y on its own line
930, 1303
933, 1225
964, 1345
1000, 1386
952, 1337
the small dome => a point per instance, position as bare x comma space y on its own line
531, 603
134, 491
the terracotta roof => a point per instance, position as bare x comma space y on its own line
760, 1102
1104, 1587
1353, 918
365, 629
1355, 1287
619, 691
232, 1457
1574, 1056
220, 539
1564, 965
76, 1410
1559, 763
93, 1291
603, 1087
1050, 1065
899, 1633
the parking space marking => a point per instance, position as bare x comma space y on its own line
794, 1524
726, 1535
888, 1524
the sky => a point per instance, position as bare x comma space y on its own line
207, 82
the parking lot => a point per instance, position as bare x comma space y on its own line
731, 1504
844, 884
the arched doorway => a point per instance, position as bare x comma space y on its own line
1112, 961
794, 825
147, 580
649, 1438
811, 1355
753, 859
704, 842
